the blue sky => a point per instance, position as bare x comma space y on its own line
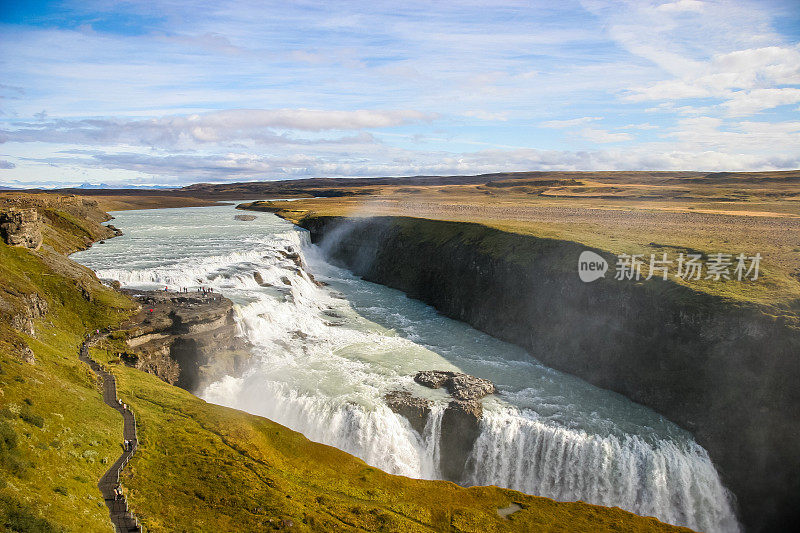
177, 92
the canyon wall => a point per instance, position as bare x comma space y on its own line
729, 372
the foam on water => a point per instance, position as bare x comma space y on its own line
326, 355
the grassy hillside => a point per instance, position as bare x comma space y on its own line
199, 467
58, 437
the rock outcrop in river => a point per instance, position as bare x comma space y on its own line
186, 339
460, 421
725, 370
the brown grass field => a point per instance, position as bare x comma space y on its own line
640, 213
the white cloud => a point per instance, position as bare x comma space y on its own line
236, 166
486, 115
669, 90
721, 51
569, 123
641, 126
598, 135
745, 103
682, 5
300, 119
209, 41
221, 127
769, 140
724, 75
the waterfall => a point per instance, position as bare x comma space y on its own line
322, 364
676, 483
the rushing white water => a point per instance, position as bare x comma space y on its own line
326, 355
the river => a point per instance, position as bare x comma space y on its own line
324, 357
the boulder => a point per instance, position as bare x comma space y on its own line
416, 410
466, 387
244, 217
116, 230
433, 379
460, 386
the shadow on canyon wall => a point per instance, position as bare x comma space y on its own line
724, 370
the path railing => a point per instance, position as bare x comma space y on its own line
124, 521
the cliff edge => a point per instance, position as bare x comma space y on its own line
186, 339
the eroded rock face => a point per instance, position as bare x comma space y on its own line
21, 227
28, 356
186, 339
34, 307
460, 386
416, 410
461, 426
711, 380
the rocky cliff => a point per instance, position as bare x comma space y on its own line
21, 227
727, 371
186, 339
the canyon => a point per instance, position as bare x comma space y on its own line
724, 370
